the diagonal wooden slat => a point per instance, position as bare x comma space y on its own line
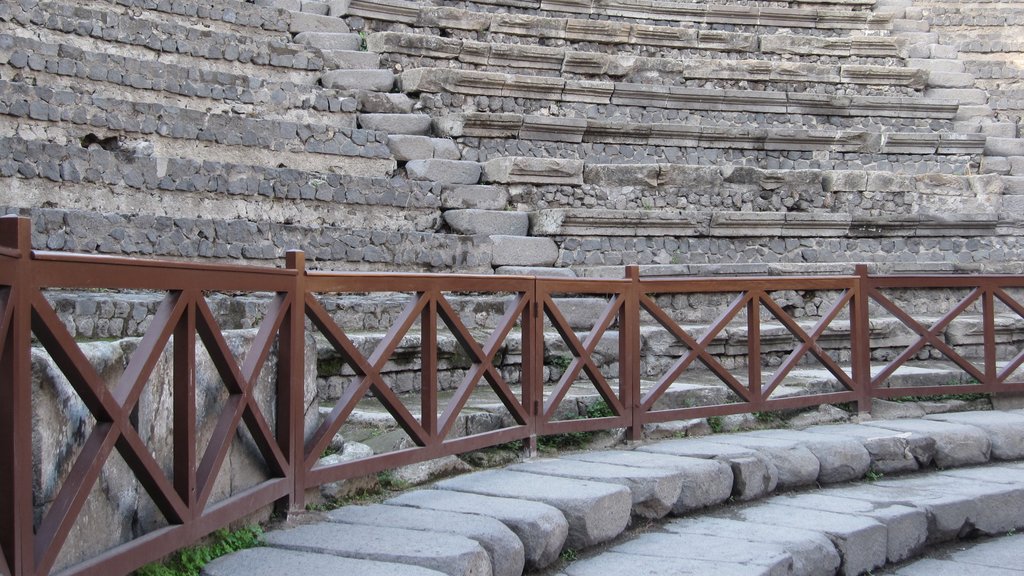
1018, 359
927, 336
241, 403
483, 361
583, 355
368, 371
112, 419
698, 349
809, 343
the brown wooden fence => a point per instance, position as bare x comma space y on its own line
30, 546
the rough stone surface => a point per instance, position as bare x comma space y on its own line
523, 251
705, 482
1005, 430
444, 171
955, 444
373, 80
753, 475
502, 545
840, 459
541, 527
795, 464
891, 451
447, 553
596, 511
276, 561
410, 124
654, 491
488, 222
478, 197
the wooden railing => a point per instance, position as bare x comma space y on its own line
31, 546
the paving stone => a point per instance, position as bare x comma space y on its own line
373, 80
444, 171
654, 491
769, 557
936, 567
840, 459
502, 545
479, 196
862, 542
330, 40
705, 482
410, 147
1005, 430
524, 170
535, 271
795, 464
1006, 552
276, 561
523, 251
615, 563
412, 124
541, 528
753, 475
448, 553
906, 526
306, 22
955, 444
891, 451
473, 222
596, 511
812, 552
1004, 147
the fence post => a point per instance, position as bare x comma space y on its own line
860, 340
532, 376
16, 517
629, 354
291, 382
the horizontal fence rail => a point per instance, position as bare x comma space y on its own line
537, 317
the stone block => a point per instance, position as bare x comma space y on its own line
961, 95
373, 80
603, 222
330, 40
654, 491
705, 482
306, 22
950, 80
523, 251
412, 124
473, 222
685, 549
480, 197
1004, 147
596, 511
384, 102
541, 527
862, 542
265, 561
811, 551
955, 444
891, 451
448, 553
526, 170
350, 60
502, 545
753, 475
535, 271
410, 147
796, 466
444, 171
1005, 430
840, 459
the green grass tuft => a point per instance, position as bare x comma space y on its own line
190, 561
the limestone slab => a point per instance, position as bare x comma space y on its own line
753, 475
447, 553
541, 528
502, 545
1005, 430
705, 482
636, 565
523, 251
474, 196
473, 221
414, 124
654, 491
955, 444
840, 459
796, 465
444, 171
812, 552
596, 511
525, 170
769, 557
276, 561
891, 451
373, 80
862, 542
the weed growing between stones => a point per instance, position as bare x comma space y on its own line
575, 440
190, 561
716, 424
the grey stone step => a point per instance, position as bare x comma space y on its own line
373, 80
406, 147
541, 528
277, 561
596, 511
996, 557
704, 482
487, 222
654, 491
407, 124
448, 553
502, 545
